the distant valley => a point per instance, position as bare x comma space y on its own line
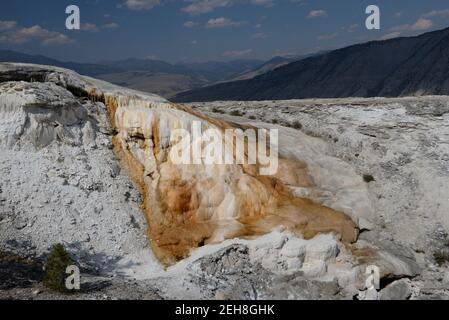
158, 76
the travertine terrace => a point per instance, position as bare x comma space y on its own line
189, 205
86, 163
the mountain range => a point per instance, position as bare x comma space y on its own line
89, 69
167, 79
397, 67
150, 75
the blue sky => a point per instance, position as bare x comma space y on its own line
200, 30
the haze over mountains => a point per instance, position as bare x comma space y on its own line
160, 77
397, 67
166, 79
151, 75
89, 69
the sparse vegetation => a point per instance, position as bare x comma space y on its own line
252, 117
217, 110
274, 121
368, 178
441, 257
55, 268
18, 272
296, 125
237, 113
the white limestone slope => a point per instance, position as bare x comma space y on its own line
61, 182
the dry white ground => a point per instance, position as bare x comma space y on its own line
403, 144
401, 148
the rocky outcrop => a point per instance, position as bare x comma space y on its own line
38, 114
60, 179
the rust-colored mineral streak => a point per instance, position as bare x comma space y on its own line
188, 206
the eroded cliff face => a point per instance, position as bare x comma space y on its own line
189, 205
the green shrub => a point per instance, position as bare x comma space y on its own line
55, 268
236, 113
441, 257
296, 125
216, 110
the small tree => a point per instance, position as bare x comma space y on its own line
55, 268
296, 125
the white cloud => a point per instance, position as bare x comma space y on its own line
190, 24
7, 25
111, 25
205, 6
259, 35
317, 14
265, 3
436, 13
390, 35
90, 27
420, 25
138, 5
234, 54
56, 38
223, 22
351, 28
11, 32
